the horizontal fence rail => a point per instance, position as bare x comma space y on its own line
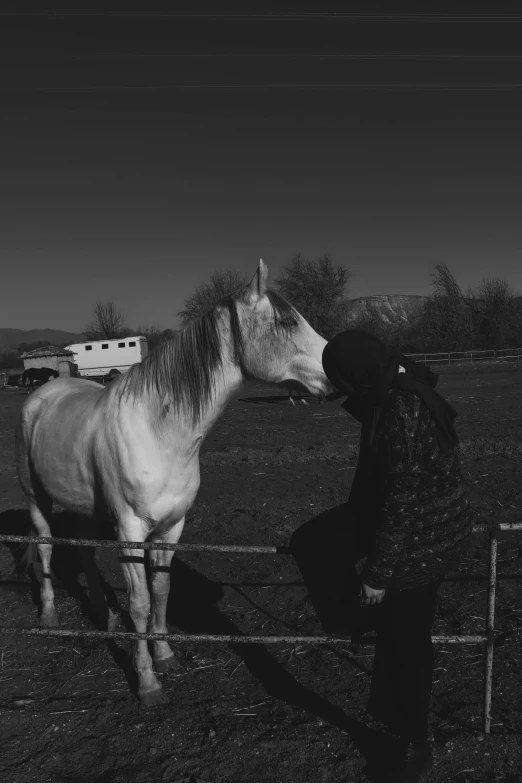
488, 637
504, 527
263, 550
461, 357
217, 637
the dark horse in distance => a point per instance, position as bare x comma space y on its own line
42, 374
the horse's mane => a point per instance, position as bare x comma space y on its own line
184, 368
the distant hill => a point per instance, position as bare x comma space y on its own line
11, 338
391, 308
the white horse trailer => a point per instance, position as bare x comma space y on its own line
99, 357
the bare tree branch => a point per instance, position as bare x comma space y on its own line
496, 314
107, 323
155, 336
206, 295
318, 290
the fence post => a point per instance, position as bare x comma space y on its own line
490, 629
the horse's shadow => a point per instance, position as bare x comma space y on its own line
68, 563
194, 608
96, 600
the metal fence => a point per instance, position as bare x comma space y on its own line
462, 357
488, 636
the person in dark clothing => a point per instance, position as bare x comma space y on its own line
413, 522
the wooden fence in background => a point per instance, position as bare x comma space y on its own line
463, 357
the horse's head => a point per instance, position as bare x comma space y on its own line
278, 345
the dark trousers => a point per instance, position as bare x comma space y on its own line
400, 691
326, 549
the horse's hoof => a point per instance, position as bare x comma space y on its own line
153, 698
167, 664
49, 621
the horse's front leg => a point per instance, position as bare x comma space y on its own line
150, 691
160, 560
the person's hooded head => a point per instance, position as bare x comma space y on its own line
362, 367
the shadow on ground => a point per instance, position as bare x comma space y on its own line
280, 400
193, 608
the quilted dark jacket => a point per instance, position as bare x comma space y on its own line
408, 497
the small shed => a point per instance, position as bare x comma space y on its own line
50, 356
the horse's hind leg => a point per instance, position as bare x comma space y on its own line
40, 511
160, 560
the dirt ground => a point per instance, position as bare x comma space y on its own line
289, 713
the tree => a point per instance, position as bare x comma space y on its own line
444, 283
9, 358
206, 295
318, 290
514, 336
107, 323
485, 318
446, 323
496, 314
155, 336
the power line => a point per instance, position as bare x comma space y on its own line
296, 55
275, 16
397, 86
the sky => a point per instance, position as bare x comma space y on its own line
141, 153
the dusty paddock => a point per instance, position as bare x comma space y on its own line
275, 713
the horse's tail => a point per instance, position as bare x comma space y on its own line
25, 555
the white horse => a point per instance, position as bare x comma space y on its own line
129, 452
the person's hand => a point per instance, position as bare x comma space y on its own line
370, 596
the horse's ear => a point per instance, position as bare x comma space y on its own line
259, 283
